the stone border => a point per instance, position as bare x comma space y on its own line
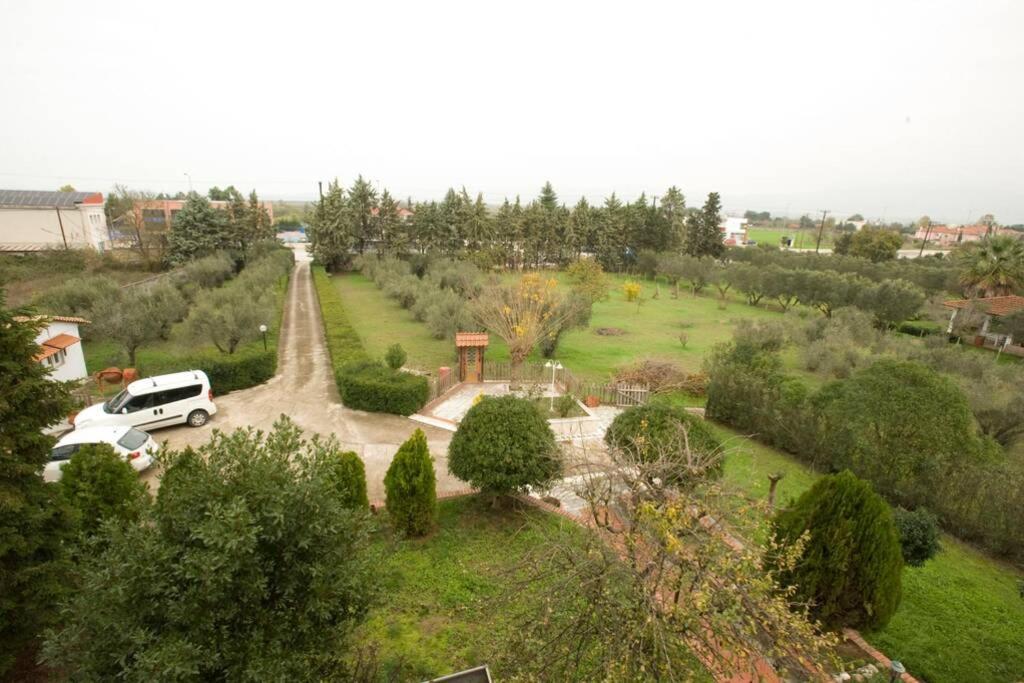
857, 639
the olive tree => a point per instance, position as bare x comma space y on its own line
248, 567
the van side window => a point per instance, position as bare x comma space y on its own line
179, 394
139, 403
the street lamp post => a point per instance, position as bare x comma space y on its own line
555, 367
263, 329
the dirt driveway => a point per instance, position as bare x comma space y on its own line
304, 390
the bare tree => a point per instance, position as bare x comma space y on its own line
126, 212
658, 584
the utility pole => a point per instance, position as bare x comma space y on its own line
320, 184
821, 230
61, 224
927, 234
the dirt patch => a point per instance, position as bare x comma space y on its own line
610, 331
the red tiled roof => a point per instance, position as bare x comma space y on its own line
62, 341
54, 318
993, 305
470, 339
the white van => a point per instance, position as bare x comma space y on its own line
154, 402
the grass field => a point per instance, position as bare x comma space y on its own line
651, 329
802, 239
961, 618
438, 612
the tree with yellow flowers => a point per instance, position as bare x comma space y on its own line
523, 314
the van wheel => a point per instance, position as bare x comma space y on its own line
197, 418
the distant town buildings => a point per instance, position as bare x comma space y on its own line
952, 235
36, 220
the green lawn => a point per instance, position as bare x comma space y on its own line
438, 611
381, 322
802, 239
651, 329
961, 618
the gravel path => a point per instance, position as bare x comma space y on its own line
304, 389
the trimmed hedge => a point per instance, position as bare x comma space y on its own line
227, 372
372, 386
920, 328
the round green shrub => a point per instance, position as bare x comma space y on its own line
919, 535
348, 473
850, 568
377, 388
98, 485
503, 445
395, 356
656, 430
410, 487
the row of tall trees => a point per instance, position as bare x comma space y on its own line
542, 232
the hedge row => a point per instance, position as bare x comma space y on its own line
343, 342
227, 372
363, 384
372, 386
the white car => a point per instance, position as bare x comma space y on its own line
136, 447
154, 402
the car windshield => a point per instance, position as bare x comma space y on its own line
115, 404
133, 439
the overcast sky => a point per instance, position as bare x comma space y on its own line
892, 109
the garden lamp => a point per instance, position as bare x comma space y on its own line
555, 367
263, 329
896, 670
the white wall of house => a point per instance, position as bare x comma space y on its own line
85, 226
72, 365
734, 228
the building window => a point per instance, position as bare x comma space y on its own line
56, 360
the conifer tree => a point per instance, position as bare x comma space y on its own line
410, 487
260, 227
33, 522
362, 201
197, 230
329, 234
388, 226
850, 568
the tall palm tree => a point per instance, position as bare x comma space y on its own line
993, 266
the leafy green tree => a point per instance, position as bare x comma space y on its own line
504, 445
387, 225
747, 279
919, 535
258, 219
347, 471
395, 356
362, 204
672, 210
669, 433
410, 486
134, 318
99, 486
891, 301
993, 266
850, 568
33, 521
900, 425
227, 318
197, 229
873, 244
249, 567
609, 234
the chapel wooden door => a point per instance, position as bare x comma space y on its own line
473, 361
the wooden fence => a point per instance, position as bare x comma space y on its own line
609, 393
439, 385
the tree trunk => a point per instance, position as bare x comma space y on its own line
773, 482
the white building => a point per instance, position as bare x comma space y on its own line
60, 346
33, 220
734, 230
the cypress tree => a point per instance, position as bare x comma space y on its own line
410, 487
197, 230
349, 476
33, 522
850, 568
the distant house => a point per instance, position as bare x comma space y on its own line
60, 346
162, 211
952, 235
734, 230
35, 220
404, 214
988, 308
